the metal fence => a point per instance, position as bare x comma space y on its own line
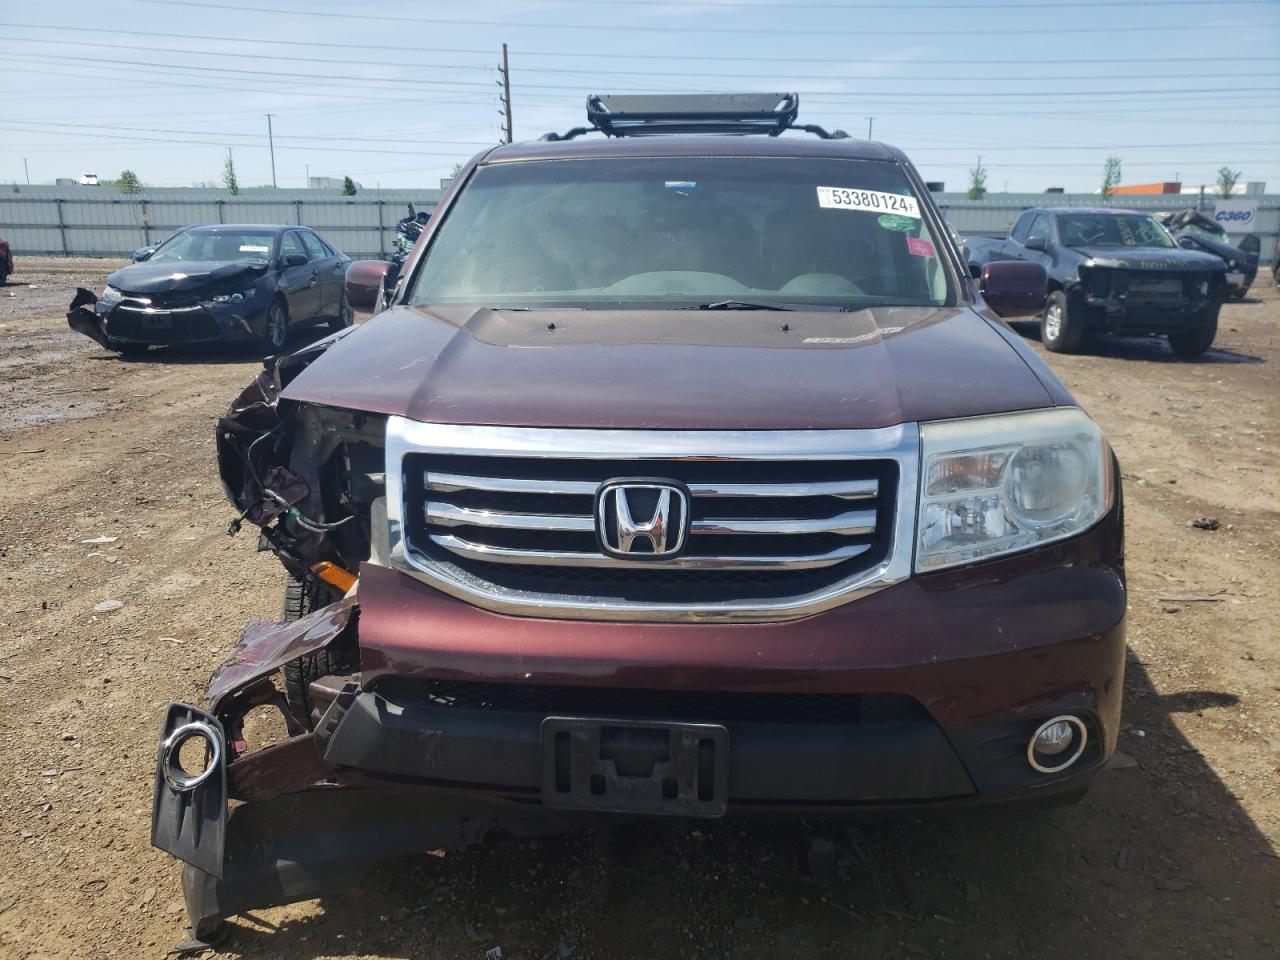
76, 226
83, 222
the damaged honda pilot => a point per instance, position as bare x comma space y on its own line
685, 473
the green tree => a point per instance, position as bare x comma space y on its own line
1110, 176
229, 176
1227, 180
978, 181
457, 169
348, 187
128, 182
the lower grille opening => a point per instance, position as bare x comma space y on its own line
677, 706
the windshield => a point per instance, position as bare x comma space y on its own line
239, 245
1112, 230
683, 232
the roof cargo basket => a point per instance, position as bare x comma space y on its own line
731, 113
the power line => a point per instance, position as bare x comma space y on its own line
685, 29
610, 56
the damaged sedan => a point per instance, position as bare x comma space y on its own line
685, 474
223, 283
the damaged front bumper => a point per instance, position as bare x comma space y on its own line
118, 323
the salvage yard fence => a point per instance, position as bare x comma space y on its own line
83, 222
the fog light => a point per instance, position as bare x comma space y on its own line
177, 775
1052, 739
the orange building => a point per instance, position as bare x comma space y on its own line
1166, 187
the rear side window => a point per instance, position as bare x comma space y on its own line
683, 231
315, 248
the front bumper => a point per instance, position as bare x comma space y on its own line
920, 697
198, 323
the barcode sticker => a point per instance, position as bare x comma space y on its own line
869, 201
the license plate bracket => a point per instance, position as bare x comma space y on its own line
635, 766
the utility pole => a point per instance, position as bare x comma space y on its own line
505, 70
870, 122
272, 142
26, 170
307, 166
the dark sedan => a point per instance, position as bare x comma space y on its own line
219, 283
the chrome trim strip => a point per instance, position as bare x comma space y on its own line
548, 558
846, 489
855, 523
447, 515
900, 443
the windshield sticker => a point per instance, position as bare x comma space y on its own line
681, 184
919, 248
869, 201
253, 248
892, 221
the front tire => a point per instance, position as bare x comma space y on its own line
1194, 342
276, 329
302, 597
1062, 324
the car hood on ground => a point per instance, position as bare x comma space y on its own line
188, 275
1150, 258
676, 369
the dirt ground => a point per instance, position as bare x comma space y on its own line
1173, 853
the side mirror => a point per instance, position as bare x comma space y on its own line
366, 280
1036, 242
143, 253
295, 259
1014, 288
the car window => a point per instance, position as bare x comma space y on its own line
1112, 230
291, 244
684, 231
314, 247
1039, 227
216, 245
1019, 231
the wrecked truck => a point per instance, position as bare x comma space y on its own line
686, 473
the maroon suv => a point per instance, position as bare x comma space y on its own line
683, 474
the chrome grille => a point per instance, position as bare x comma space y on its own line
780, 523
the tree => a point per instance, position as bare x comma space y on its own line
978, 181
229, 176
457, 169
1110, 176
128, 182
1227, 180
348, 187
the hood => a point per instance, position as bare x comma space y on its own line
674, 369
1222, 249
172, 277
1149, 258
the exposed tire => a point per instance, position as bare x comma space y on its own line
129, 349
300, 599
276, 329
4, 276
345, 318
1194, 342
1062, 324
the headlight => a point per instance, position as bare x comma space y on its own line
996, 485
232, 297
111, 295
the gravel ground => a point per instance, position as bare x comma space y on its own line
1173, 853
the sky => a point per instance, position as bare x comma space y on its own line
395, 93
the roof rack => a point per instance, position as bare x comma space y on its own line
731, 113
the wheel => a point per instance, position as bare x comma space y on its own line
1062, 325
4, 276
129, 349
276, 331
1193, 342
346, 317
300, 599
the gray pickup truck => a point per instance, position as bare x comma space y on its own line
1112, 271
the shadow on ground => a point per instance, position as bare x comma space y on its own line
1153, 349
1159, 860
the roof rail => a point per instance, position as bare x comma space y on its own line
731, 113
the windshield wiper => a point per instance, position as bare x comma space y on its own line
739, 305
